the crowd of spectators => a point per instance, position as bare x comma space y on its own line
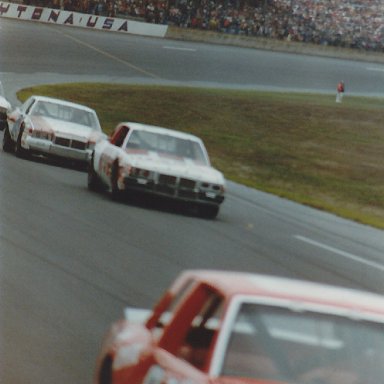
347, 23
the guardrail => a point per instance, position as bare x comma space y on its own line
77, 19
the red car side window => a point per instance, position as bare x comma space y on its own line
166, 308
119, 136
194, 326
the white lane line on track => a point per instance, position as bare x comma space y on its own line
179, 48
339, 252
377, 69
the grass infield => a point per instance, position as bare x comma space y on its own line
303, 147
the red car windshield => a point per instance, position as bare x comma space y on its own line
304, 347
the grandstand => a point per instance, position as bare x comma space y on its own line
357, 24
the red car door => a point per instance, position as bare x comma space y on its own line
182, 348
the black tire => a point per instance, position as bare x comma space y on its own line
94, 182
105, 374
19, 150
8, 144
3, 124
116, 193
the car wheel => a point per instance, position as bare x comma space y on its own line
19, 150
116, 193
8, 144
94, 183
105, 374
3, 121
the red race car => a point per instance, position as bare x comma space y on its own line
223, 327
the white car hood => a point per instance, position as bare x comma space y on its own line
64, 129
176, 166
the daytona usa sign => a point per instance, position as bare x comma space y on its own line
76, 19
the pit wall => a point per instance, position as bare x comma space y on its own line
77, 19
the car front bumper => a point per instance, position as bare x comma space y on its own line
47, 147
179, 189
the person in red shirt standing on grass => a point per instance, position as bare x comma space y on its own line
340, 92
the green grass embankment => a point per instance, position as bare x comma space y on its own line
302, 147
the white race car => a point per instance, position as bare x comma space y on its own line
159, 161
5, 107
48, 126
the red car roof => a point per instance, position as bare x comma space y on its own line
238, 283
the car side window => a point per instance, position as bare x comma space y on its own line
194, 327
27, 107
196, 345
119, 136
167, 315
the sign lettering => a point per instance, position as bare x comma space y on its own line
91, 23
21, 9
69, 19
61, 17
54, 16
37, 12
4, 9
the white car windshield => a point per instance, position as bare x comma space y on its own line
65, 113
167, 144
304, 347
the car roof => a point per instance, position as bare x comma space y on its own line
62, 102
232, 284
162, 130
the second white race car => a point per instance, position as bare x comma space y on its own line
53, 127
159, 161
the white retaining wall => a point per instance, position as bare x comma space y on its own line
77, 19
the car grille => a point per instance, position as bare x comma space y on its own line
64, 142
78, 144
174, 186
187, 184
167, 180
